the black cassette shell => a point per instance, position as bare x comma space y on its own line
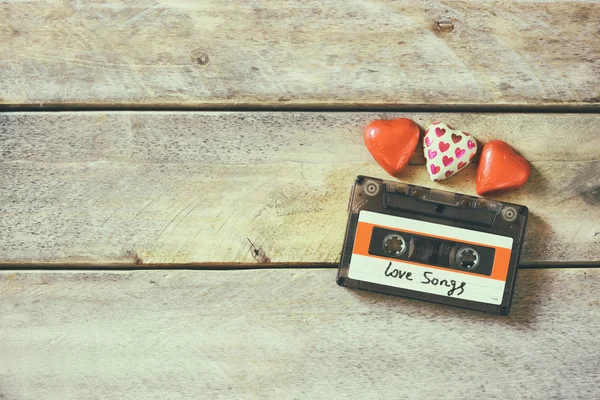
447, 210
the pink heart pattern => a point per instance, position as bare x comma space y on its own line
456, 150
444, 146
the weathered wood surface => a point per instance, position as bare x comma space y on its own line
94, 188
367, 52
289, 334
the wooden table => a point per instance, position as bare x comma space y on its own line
142, 143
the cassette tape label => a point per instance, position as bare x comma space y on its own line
429, 266
425, 279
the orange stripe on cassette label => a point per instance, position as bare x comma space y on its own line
362, 241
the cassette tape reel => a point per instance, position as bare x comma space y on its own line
432, 245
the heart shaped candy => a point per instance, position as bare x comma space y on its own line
392, 143
447, 150
500, 168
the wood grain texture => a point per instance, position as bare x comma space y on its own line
364, 52
97, 188
289, 334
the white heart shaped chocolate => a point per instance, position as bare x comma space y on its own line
447, 150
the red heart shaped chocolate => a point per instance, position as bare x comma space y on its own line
392, 143
500, 168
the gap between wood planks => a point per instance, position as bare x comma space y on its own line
577, 108
231, 267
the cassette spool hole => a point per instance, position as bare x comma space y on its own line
394, 244
467, 258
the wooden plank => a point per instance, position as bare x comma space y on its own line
98, 188
276, 53
289, 334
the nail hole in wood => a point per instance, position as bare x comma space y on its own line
202, 59
445, 26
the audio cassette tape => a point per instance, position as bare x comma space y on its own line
432, 245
